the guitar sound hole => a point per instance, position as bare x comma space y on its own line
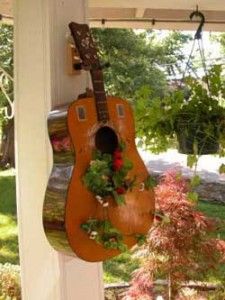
106, 140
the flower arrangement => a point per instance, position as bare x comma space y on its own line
107, 176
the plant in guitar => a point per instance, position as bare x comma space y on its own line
109, 199
107, 175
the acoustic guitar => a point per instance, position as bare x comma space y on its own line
81, 215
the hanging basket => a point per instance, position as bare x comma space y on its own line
193, 139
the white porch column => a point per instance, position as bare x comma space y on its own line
42, 82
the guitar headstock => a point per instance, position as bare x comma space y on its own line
85, 45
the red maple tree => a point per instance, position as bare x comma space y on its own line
180, 247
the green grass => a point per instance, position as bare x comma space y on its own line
8, 225
215, 211
120, 268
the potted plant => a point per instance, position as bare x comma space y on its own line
194, 114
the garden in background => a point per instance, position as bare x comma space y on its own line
184, 243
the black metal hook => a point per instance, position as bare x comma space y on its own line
197, 13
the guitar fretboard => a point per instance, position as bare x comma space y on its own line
100, 95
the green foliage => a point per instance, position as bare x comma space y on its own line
192, 196
154, 119
120, 268
194, 112
141, 239
195, 181
6, 48
105, 234
150, 182
192, 160
215, 211
6, 66
107, 176
120, 200
103, 180
135, 58
97, 175
222, 169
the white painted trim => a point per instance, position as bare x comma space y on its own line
40, 83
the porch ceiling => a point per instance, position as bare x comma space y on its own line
161, 14
6, 10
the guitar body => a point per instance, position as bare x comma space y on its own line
136, 215
56, 192
95, 224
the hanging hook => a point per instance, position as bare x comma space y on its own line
197, 13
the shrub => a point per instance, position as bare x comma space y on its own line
10, 282
179, 246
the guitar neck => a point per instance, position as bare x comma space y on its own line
99, 95
89, 56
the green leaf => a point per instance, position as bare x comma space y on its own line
192, 196
141, 239
128, 165
85, 227
122, 145
106, 225
150, 182
120, 199
122, 247
192, 160
195, 181
222, 169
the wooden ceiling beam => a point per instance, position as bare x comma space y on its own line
139, 24
139, 12
160, 4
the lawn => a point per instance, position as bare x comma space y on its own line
216, 211
8, 225
118, 269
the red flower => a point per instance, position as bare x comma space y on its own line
117, 164
117, 160
117, 154
121, 190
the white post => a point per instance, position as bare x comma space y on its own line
42, 82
